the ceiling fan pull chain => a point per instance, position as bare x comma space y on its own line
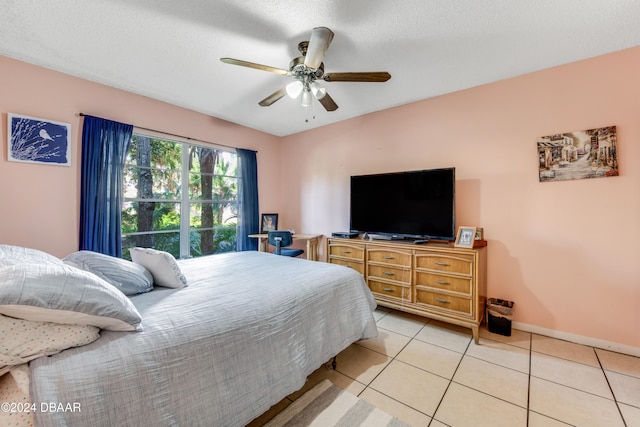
313, 112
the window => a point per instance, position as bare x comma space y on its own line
180, 198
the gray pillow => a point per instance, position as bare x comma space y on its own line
10, 253
128, 277
59, 293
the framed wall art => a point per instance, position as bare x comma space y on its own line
33, 140
590, 153
269, 222
465, 237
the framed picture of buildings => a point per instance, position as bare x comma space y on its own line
590, 153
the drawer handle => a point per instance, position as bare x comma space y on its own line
442, 282
443, 264
388, 273
444, 301
387, 289
387, 257
346, 252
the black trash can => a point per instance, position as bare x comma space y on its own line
499, 315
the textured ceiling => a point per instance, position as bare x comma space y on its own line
170, 50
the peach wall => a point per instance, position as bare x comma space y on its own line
565, 252
40, 203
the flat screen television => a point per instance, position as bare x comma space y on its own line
405, 205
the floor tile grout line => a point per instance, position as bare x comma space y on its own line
423, 341
368, 385
613, 394
449, 385
566, 359
550, 417
496, 364
488, 394
613, 399
633, 377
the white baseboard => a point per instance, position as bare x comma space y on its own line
578, 339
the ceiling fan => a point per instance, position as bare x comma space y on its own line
308, 68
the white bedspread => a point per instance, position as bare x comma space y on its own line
246, 332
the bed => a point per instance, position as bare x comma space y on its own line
226, 338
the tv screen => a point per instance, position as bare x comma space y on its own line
416, 204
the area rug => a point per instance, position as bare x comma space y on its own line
328, 405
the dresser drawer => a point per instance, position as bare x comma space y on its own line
357, 266
389, 256
389, 291
463, 306
441, 281
355, 252
386, 272
460, 264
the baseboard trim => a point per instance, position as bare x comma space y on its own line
578, 339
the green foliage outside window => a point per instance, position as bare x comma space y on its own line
179, 195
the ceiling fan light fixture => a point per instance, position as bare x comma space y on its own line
294, 88
306, 98
318, 91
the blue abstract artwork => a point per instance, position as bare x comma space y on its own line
34, 140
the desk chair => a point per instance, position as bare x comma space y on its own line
282, 239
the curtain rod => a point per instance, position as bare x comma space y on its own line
175, 135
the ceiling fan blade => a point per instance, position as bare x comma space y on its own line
372, 77
328, 103
318, 44
273, 97
242, 63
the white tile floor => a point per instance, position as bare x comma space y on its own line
429, 373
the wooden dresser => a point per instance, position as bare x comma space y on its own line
434, 280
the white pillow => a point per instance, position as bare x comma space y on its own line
25, 340
162, 265
130, 278
61, 293
9, 254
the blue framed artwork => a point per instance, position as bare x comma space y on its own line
33, 140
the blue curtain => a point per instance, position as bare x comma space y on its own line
105, 144
248, 209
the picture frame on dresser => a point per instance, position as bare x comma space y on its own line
268, 222
465, 237
479, 233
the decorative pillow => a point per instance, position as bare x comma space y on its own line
9, 252
60, 293
130, 278
162, 265
25, 340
